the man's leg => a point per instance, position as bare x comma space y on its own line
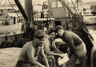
82, 61
51, 60
71, 62
81, 54
24, 64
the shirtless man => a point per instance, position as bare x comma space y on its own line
32, 52
49, 43
76, 45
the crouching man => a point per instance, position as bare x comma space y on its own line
32, 52
76, 45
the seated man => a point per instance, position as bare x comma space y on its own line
32, 52
76, 45
49, 43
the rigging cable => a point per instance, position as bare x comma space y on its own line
14, 11
81, 17
5, 10
65, 8
13, 8
0, 3
75, 7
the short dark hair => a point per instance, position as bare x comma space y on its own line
39, 34
50, 31
71, 20
58, 27
27, 24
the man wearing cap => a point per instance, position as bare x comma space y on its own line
76, 45
32, 54
28, 35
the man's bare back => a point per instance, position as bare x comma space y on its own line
23, 55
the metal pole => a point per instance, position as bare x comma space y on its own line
0, 3
21, 9
29, 10
77, 4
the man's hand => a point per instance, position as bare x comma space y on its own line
61, 55
41, 66
47, 66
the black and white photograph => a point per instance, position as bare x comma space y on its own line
47, 33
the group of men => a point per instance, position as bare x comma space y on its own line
39, 53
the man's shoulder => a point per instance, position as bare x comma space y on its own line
70, 33
46, 41
28, 44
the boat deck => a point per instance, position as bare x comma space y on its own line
9, 56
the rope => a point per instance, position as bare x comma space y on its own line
5, 10
17, 16
65, 8
14, 10
84, 25
0, 3
79, 20
75, 7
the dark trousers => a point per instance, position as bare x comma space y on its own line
51, 60
73, 59
80, 54
24, 64
93, 57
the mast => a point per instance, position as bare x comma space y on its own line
23, 12
29, 10
0, 3
77, 4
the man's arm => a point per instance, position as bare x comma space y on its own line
47, 49
55, 48
31, 57
71, 44
45, 61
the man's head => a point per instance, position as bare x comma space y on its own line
39, 37
51, 33
27, 25
59, 30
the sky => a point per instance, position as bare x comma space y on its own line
38, 2
35, 1
22, 3
41, 1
